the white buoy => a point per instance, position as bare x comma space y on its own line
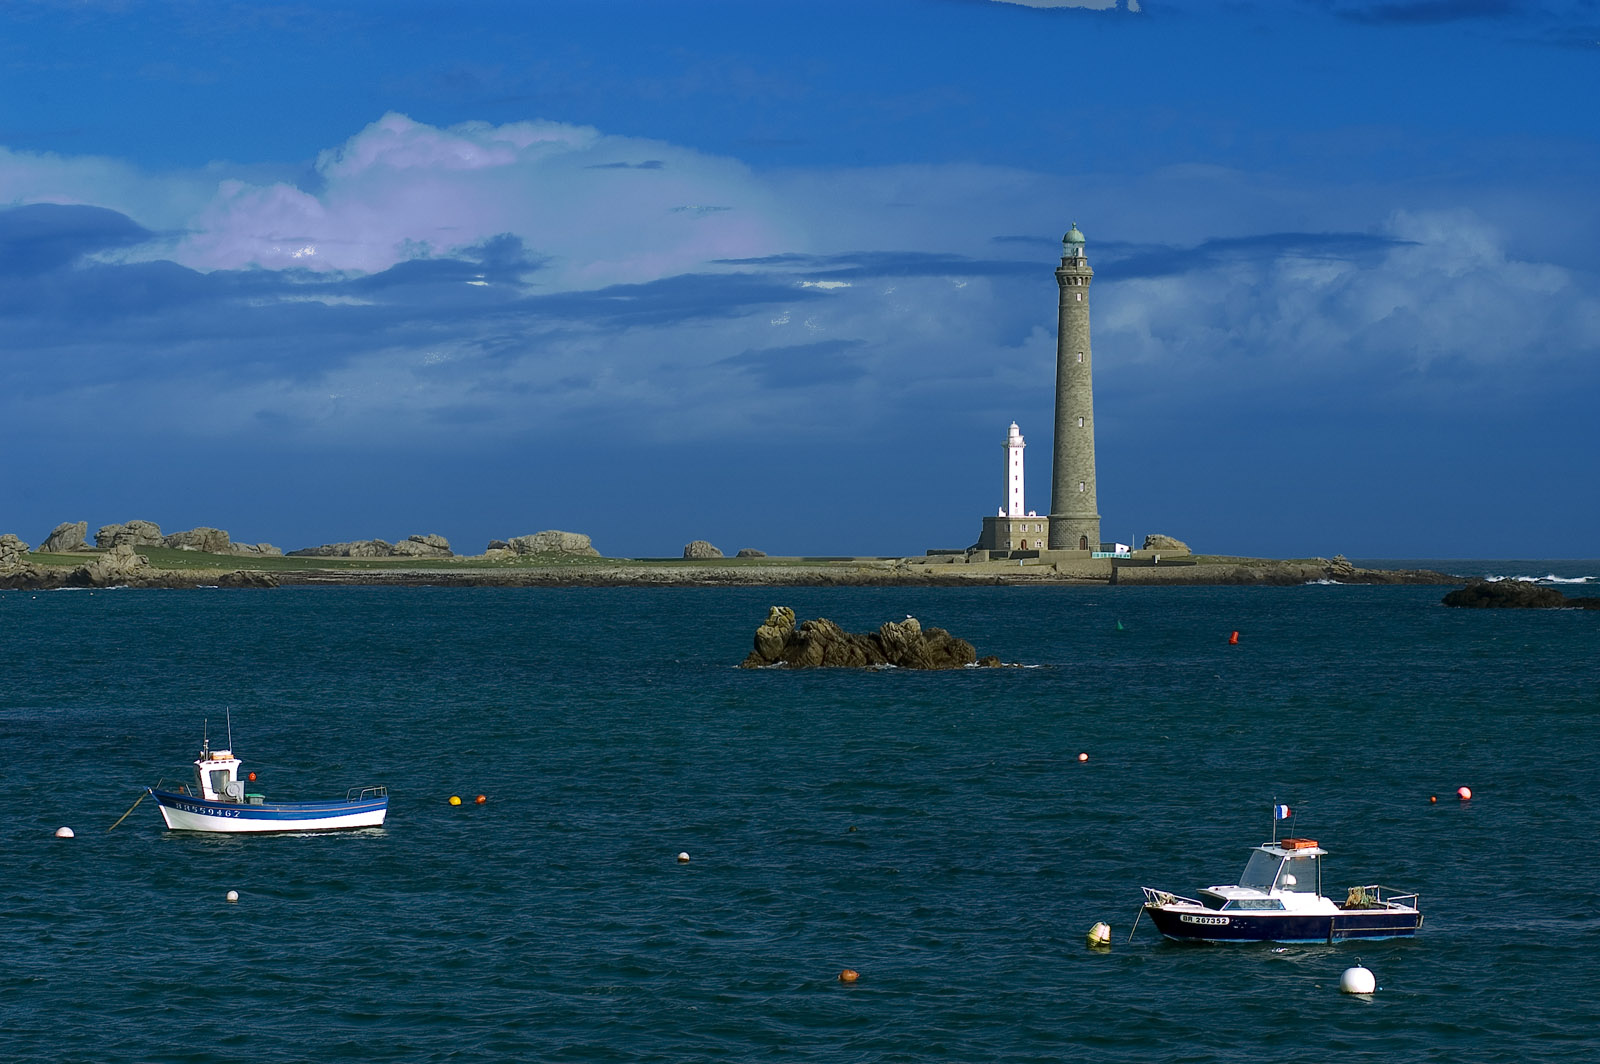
1357, 980
683, 858
233, 895
1100, 934
1083, 757
64, 833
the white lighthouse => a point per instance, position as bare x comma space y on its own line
1014, 481
1014, 527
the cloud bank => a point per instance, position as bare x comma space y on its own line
476, 289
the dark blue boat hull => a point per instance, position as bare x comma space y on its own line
1285, 927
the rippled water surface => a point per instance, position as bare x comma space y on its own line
936, 832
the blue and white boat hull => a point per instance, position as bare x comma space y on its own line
1211, 926
185, 812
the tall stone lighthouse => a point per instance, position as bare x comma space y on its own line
1074, 515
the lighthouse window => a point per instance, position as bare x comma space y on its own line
1080, 356
1080, 422
1080, 297
1080, 485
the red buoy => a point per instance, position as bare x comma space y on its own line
1233, 640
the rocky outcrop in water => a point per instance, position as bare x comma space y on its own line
750, 552
700, 549
66, 537
1515, 595
1165, 544
823, 644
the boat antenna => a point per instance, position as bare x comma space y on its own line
230, 729
205, 735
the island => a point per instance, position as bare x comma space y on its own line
137, 554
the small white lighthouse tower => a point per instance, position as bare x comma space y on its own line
1013, 527
1014, 481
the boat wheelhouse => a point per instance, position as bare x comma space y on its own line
219, 801
1279, 899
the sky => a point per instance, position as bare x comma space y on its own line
779, 275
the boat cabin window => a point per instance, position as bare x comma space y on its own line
1299, 874
1254, 903
219, 780
1261, 872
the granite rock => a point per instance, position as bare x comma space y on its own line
12, 550
552, 541
1508, 594
204, 539
700, 549
67, 536
750, 552
134, 533
1167, 544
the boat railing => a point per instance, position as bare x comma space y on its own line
1378, 896
1152, 896
361, 794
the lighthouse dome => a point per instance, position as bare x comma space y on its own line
1074, 236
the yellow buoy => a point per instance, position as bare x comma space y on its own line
1100, 935
455, 799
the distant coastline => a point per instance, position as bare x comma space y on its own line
164, 568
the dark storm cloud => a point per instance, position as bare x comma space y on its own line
863, 265
47, 236
801, 365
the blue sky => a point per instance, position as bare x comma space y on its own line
780, 274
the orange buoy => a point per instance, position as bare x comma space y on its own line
252, 777
1433, 797
849, 975
1233, 640
1464, 793
480, 799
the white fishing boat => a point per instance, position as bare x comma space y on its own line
220, 800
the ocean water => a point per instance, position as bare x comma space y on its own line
935, 832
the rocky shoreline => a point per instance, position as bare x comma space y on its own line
564, 559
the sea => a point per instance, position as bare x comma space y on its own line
941, 834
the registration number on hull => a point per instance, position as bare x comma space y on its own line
1209, 920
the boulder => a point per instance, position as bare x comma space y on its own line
67, 536
242, 578
115, 566
552, 541
429, 546
206, 540
12, 550
359, 548
1506, 594
822, 644
750, 552
700, 549
134, 533
1165, 544
256, 550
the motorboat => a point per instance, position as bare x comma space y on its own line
1279, 899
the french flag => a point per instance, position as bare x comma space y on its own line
1280, 812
